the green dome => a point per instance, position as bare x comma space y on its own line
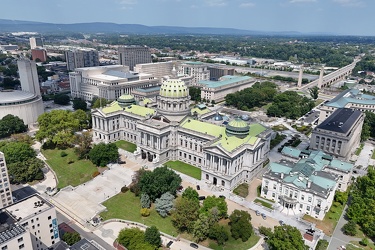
126, 100
174, 88
238, 127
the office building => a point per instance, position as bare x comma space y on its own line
228, 152
339, 135
35, 42
5, 189
28, 76
80, 58
133, 54
217, 90
109, 82
39, 54
306, 182
217, 71
197, 70
30, 224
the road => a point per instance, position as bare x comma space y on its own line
270, 73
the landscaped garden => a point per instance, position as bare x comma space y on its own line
242, 190
263, 203
125, 145
185, 168
69, 169
359, 150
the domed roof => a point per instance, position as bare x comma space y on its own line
174, 88
238, 127
218, 117
126, 100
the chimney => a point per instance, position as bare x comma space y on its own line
282, 175
308, 183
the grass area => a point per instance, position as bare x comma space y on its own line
76, 173
318, 101
185, 168
242, 190
373, 155
359, 150
330, 220
125, 145
127, 206
263, 203
357, 246
279, 138
279, 128
267, 106
259, 190
303, 129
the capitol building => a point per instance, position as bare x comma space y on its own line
229, 150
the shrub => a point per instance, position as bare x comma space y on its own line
145, 212
69, 161
350, 228
145, 201
266, 231
124, 189
364, 242
96, 173
63, 154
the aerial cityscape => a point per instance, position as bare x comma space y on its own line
173, 124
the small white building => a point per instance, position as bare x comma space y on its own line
305, 182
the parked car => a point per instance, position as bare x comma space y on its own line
201, 198
263, 216
169, 243
198, 187
193, 245
257, 213
222, 196
282, 223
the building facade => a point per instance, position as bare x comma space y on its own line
29, 224
5, 188
109, 82
227, 154
35, 42
217, 71
305, 182
28, 76
340, 134
217, 90
40, 54
80, 58
197, 70
133, 54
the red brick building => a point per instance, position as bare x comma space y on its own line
40, 54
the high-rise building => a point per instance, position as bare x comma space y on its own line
81, 58
40, 54
134, 54
197, 70
6, 192
35, 42
28, 76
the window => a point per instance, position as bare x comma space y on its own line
309, 200
207, 177
273, 195
49, 217
274, 186
302, 197
50, 225
4, 248
223, 183
20, 239
300, 206
21, 246
308, 208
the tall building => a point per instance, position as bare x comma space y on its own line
40, 54
28, 76
35, 42
109, 82
217, 71
197, 70
30, 224
339, 134
5, 190
80, 58
133, 54
228, 153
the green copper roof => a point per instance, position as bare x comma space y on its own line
351, 96
200, 111
174, 88
134, 109
126, 98
225, 80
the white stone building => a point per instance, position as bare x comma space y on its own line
197, 70
133, 54
306, 182
227, 155
5, 188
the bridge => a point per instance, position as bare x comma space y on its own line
333, 77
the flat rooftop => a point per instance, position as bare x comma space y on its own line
30, 206
225, 80
134, 109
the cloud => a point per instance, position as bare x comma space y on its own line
127, 4
350, 3
216, 3
247, 5
302, 1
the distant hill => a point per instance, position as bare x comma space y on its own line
101, 27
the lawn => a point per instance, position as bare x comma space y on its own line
127, 206
125, 145
318, 101
263, 203
330, 220
185, 168
76, 173
242, 190
279, 128
358, 150
279, 138
373, 155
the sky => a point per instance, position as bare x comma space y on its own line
339, 17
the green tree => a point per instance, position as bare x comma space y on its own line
213, 201
26, 171
195, 94
322, 245
11, 124
350, 228
79, 104
61, 99
17, 152
266, 231
201, 227
185, 212
71, 238
286, 238
191, 194
152, 236
218, 233
158, 182
83, 144
134, 239
314, 92
164, 204
145, 201
240, 225
102, 154
99, 102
